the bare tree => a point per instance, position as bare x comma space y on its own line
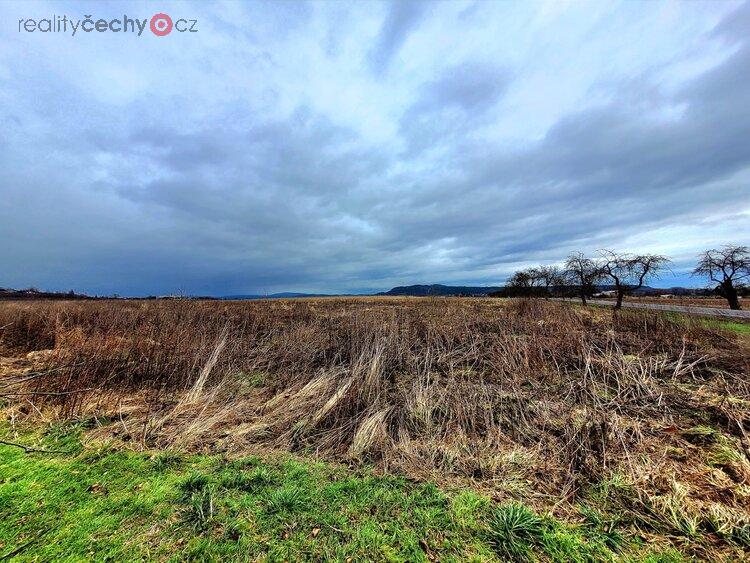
583, 272
630, 271
521, 284
549, 277
728, 267
522, 279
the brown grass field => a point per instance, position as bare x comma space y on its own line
554, 405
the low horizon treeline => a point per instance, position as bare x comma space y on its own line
727, 269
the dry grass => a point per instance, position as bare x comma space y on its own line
531, 400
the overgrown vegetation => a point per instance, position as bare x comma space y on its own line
629, 427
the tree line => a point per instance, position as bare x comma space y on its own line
727, 269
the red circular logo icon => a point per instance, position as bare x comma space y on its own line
161, 24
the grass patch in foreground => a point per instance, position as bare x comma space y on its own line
738, 327
102, 503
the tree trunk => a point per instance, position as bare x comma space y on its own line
731, 294
620, 295
583, 298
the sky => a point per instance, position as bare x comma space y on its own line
355, 146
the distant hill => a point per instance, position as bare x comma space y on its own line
440, 290
645, 290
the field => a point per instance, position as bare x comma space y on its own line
371, 429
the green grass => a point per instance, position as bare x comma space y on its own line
514, 529
101, 503
739, 328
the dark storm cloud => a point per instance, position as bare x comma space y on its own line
244, 176
401, 19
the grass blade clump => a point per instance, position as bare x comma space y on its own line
286, 499
514, 530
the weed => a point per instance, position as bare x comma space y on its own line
193, 483
166, 460
244, 462
286, 499
259, 478
701, 435
470, 509
514, 529
200, 508
728, 524
601, 528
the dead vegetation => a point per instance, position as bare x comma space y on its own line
634, 413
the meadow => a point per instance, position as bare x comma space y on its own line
371, 429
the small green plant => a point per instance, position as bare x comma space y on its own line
262, 477
248, 482
200, 509
724, 453
246, 462
286, 499
741, 535
469, 509
166, 460
514, 529
674, 511
601, 528
257, 378
64, 436
611, 489
193, 483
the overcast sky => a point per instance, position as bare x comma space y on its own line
346, 147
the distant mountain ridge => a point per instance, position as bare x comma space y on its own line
440, 290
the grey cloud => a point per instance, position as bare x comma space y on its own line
734, 26
456, 101
400, 21
471, 86
604, 172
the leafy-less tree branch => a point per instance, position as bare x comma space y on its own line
583, 273
729, 267
630, 272
549, 278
